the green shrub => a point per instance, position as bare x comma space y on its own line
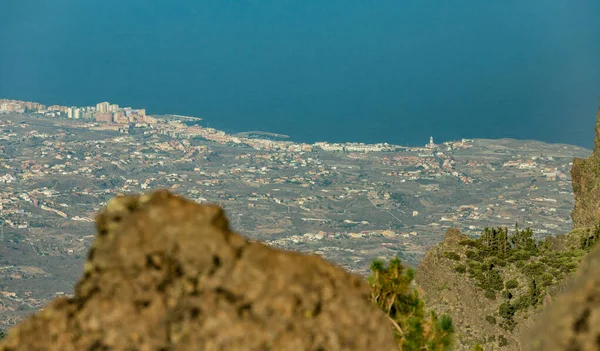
502, 341
491, 319
507, 294
494, 280
533, 269
522, 302
508, 324
460, 268
475, 270
493, 260
572, 266
546, 279
519, 255
452, 255
474, 265
563, 261
531, 298
473, 255
557, 274
512, 284
490, 294
506, 310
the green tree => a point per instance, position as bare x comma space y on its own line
496, 241
534, 293
414, 329
524, 240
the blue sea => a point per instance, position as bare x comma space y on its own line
394, 71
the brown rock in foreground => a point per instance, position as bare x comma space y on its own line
165, 273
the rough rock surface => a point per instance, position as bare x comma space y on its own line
585, 175
572, 321
165, 273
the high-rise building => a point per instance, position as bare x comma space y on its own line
102, 107
113, 108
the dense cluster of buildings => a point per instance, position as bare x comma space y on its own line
103, 112
7, 106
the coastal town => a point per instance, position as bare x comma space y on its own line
348, 202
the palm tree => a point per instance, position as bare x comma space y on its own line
391, 291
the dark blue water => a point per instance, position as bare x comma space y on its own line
338, 70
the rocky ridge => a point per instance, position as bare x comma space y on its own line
165, 273
448, 287
572, 321
450, 292
585, 175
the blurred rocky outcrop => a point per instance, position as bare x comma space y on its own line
165, 273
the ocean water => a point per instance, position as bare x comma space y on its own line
394, 71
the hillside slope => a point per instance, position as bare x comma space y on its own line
493, 285
572, 321
585, 175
